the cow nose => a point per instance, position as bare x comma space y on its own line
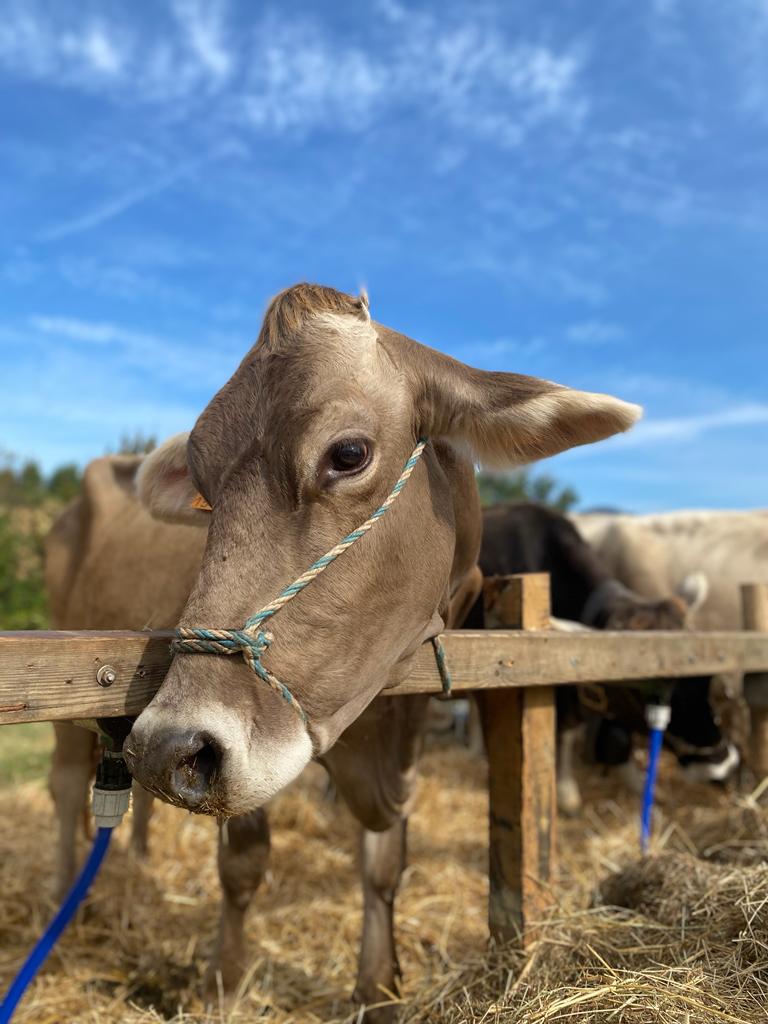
195, 770
182, 767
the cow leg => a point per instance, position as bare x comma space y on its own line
243, 857
374, 767
475, 740
382, 863
143, 805
569, 730
69, 781
568, 792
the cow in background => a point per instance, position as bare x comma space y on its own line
647, 552
523, 537
109, 565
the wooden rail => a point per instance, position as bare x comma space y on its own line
46, 676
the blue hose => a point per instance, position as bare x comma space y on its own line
74, 898
654, 750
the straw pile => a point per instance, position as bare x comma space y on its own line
682, 937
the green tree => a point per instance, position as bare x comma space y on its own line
22, 594
64, 482
522, 485
136, 444
30, 483
8, 487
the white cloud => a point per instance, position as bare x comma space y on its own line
690, 428
204, 25
111, 208
99, 332
69, 47
595, 332
738, 62
522, 347
95, 48
665, 8
116, 205
35, 46
289, 74
163, 357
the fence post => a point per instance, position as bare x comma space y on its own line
520, 736
754, 605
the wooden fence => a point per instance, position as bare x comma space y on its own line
46, 676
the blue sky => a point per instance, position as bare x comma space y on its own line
575, 190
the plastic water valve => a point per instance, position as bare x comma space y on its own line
111, 797
111, 791
657, 716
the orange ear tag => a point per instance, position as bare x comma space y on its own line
199, 502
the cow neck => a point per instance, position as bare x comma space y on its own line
601, 598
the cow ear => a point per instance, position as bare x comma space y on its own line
165, 487
693, 590
508, 419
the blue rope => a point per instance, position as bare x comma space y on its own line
654, 750
66, 912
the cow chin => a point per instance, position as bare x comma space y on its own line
211, 761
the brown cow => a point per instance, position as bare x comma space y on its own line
297, 449
109, 565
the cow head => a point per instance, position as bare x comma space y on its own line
296, 450
613, 606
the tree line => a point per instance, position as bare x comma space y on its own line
30, 500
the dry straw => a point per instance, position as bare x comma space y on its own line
688, 941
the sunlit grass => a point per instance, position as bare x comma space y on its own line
25, 753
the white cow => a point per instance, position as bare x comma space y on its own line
651, 553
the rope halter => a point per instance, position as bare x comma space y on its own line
252, 641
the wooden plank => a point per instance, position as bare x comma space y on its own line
47, 676
488, 660
754, 603
517, 602
519, 729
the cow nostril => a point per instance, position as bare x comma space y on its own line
195, 773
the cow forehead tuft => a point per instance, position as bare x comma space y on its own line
293, 308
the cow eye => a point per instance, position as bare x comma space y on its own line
349, 455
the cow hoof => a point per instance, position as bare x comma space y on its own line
220, 984
140, 847
374, 1013
568, 797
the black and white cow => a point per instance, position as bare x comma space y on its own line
525, 537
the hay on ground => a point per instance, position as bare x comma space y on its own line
687, 943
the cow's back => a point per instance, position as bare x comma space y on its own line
109, 565
652, 553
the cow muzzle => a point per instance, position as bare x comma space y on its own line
181, 767
213, 762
